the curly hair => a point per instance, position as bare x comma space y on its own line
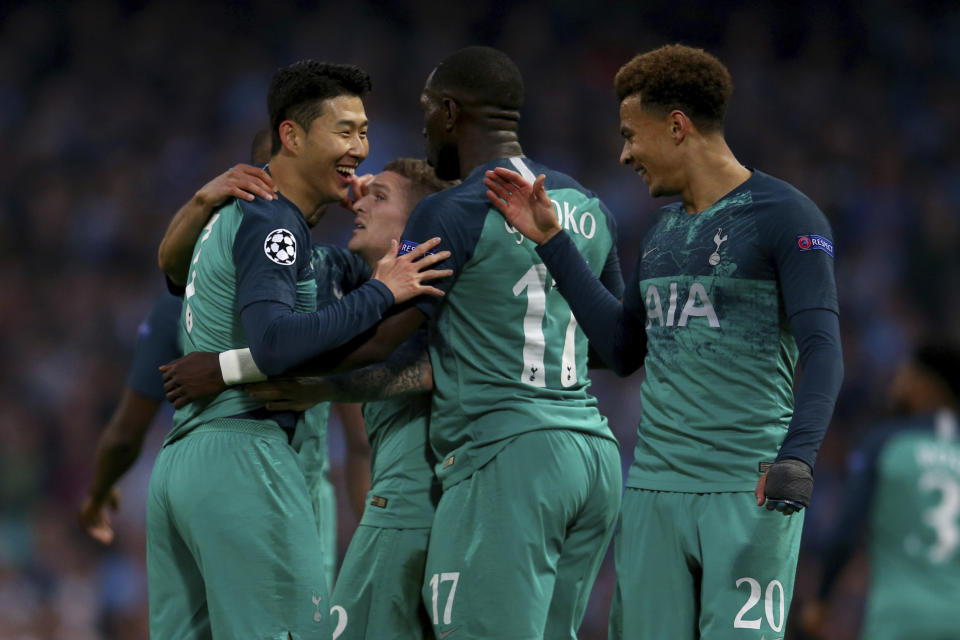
421, 175
678, 77
297, 92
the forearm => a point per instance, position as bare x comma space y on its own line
181, 236
280, 339
821, 366
406, 372
121, 442
616, 334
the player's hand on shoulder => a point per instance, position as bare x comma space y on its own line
525, 205
786, 487
95, 518
243, 181
191, 377
404, 275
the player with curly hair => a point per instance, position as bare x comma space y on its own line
734, 288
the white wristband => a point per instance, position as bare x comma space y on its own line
237, 366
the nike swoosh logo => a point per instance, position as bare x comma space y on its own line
441, 636
646, 253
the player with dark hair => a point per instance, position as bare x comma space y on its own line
734, 289
379, 584
529, 468
336, 272
260, 147
903, 492
227, 485
122, 439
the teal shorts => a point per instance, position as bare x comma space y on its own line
232, 543
516, 546
379, 584
703, 565
324, 500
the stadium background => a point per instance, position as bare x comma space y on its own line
113, 114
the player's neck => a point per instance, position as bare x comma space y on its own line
485, 145
294, 187
712, 172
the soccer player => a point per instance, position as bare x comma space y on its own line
121, 441
333, 276
379, 583
735, 284
529, 468
903, 488
233, 550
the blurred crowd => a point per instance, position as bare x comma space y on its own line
114, 113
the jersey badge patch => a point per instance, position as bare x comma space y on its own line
406, 246
815, 243
281, 247
714, 259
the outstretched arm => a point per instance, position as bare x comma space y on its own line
405, 370
242, 181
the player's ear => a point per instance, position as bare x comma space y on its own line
290, 136
680, 125
451, 111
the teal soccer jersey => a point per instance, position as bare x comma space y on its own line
718, 287
210, 321
379, 583
503, 331
904, 487
529, 468
232, 545
403, 490
337, 272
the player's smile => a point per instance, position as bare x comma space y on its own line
346, 171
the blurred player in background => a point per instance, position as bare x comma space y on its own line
735, 283
903, 491
122, 439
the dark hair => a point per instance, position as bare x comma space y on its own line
943, 361
482, 73
297, 92
678, 77
260, 147
421, 175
